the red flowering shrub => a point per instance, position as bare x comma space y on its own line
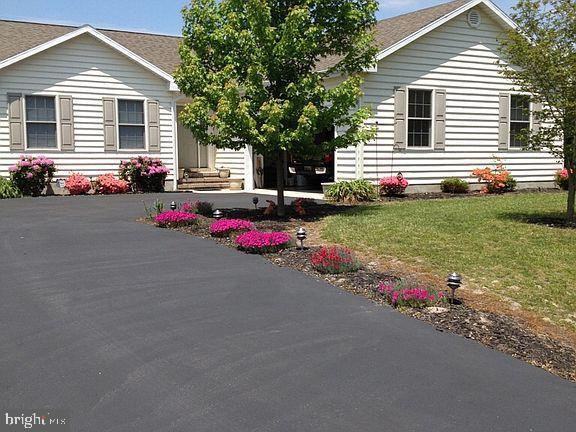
561, 178
77, 184
107, 184
393, 185
302, 205
32, 174
497, 180
260, 242
403, 293
335, 259
175, 218
226, 227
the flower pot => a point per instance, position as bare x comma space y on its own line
223, 172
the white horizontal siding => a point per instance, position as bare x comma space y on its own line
233, 160
88, 70
461, 60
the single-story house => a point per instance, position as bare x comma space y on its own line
89, 98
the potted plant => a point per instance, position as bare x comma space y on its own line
223, 172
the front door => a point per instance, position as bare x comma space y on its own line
192, 154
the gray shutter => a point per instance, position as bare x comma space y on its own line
400, 118
439, 119
109, 108
536, 109
503, 121
66, 123
15, 118
153, 126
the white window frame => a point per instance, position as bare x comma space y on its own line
57, 121
430, 145
145, 109
510, 121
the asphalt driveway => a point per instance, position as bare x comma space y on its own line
133, 328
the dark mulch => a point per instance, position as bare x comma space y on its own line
499, 332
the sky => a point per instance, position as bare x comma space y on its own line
153, 16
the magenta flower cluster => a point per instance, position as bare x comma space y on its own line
31, 174
144, 173
393, 186
417, 297
226, 227
263, 242
175, 218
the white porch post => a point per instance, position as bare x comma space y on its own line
175, 140
248, 169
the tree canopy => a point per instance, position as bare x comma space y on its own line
249, 69
541, 60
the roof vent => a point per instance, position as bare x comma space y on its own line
474, 19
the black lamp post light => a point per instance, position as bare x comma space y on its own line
217, 214
255, 202
173, 205
454, 282
301, 236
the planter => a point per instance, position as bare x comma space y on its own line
223, 172
325, 187
236, 184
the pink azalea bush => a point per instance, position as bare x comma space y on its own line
335, 259
107, 184
400, 293
260, 242
144, 174
77, 184
226, 227
175, 218
561, 178
31, 174
393, 185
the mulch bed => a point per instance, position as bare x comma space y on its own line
496, 331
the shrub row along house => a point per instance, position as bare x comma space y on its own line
89, 98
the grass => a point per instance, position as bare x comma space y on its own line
502, 244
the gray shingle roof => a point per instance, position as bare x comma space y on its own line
162, 51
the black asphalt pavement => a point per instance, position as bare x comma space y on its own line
135, 328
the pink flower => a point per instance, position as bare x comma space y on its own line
263, 242
225, 227
174, 218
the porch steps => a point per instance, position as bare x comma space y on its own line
203, 180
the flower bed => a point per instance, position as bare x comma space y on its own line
227, 227
260, 242
32, 174
175, 218
107, 184
399, 293
335, 259
77, 184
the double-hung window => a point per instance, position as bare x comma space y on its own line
131, 127
419, 118
519, 119
41, 122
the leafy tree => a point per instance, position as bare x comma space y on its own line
543, 52
250, 70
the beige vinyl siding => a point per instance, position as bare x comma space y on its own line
87, 70
460, 59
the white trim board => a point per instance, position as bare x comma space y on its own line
86, 29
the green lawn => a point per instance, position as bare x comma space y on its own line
490, 240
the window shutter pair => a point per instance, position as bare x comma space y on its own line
16, 121
110, 121
401, 116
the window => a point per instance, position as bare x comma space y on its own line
519, 118
41, 122
131, 124
419, 118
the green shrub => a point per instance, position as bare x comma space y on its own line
8, 189
454, 185
352, 191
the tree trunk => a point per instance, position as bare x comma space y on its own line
570, 217
280, 182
